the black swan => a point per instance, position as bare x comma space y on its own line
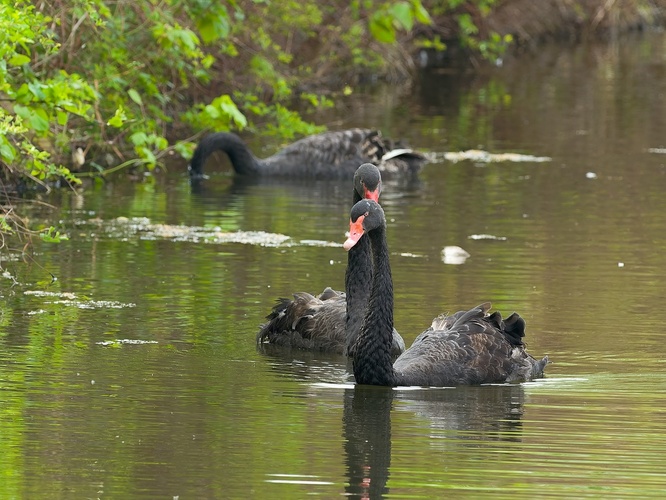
466, 348
331, 155
331, 321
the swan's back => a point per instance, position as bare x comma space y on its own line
469, 347
313, 323
307, 322
338, 154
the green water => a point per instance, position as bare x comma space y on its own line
135, 373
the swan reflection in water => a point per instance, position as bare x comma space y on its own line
366, 423
465, 414
477, 413
221, 190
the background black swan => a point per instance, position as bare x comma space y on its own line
331, 321
324, 156
467, 348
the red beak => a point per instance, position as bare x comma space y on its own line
355, 232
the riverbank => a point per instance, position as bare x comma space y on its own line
517, 25
531, 22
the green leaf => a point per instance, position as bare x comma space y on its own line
118, 118
7, 151
207, 30
61, 118
214, 27
134, 95
227, 105
402, 15
36, 89
421, 13
19, 60
147, 155
138, 138
22, 111
39, 120
212, 111
21, 92
382, 28
184, 149
262, 67
51, 235
207, 61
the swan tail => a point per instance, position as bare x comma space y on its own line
473, 315
307, 322
477, 319
405, 154
286, 317
390, 155
513, 329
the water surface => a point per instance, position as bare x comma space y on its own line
135, 373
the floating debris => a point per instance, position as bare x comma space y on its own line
319, 243
659, 151
480, 156
591, 175
70, 299
486, 237
454, 255
11, 257
42, 293
196, 234
409, 254
7, 275
94, 304
141, 227
125, 341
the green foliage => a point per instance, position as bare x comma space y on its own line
394, 16
490, 47
145, 144
280, 121
221, 113
121, 76
51, 235
38, 107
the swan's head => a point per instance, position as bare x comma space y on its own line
366, 215
367, 183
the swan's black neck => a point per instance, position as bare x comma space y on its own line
372, 360
358, 282
241, 158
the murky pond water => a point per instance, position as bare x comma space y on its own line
135, 374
